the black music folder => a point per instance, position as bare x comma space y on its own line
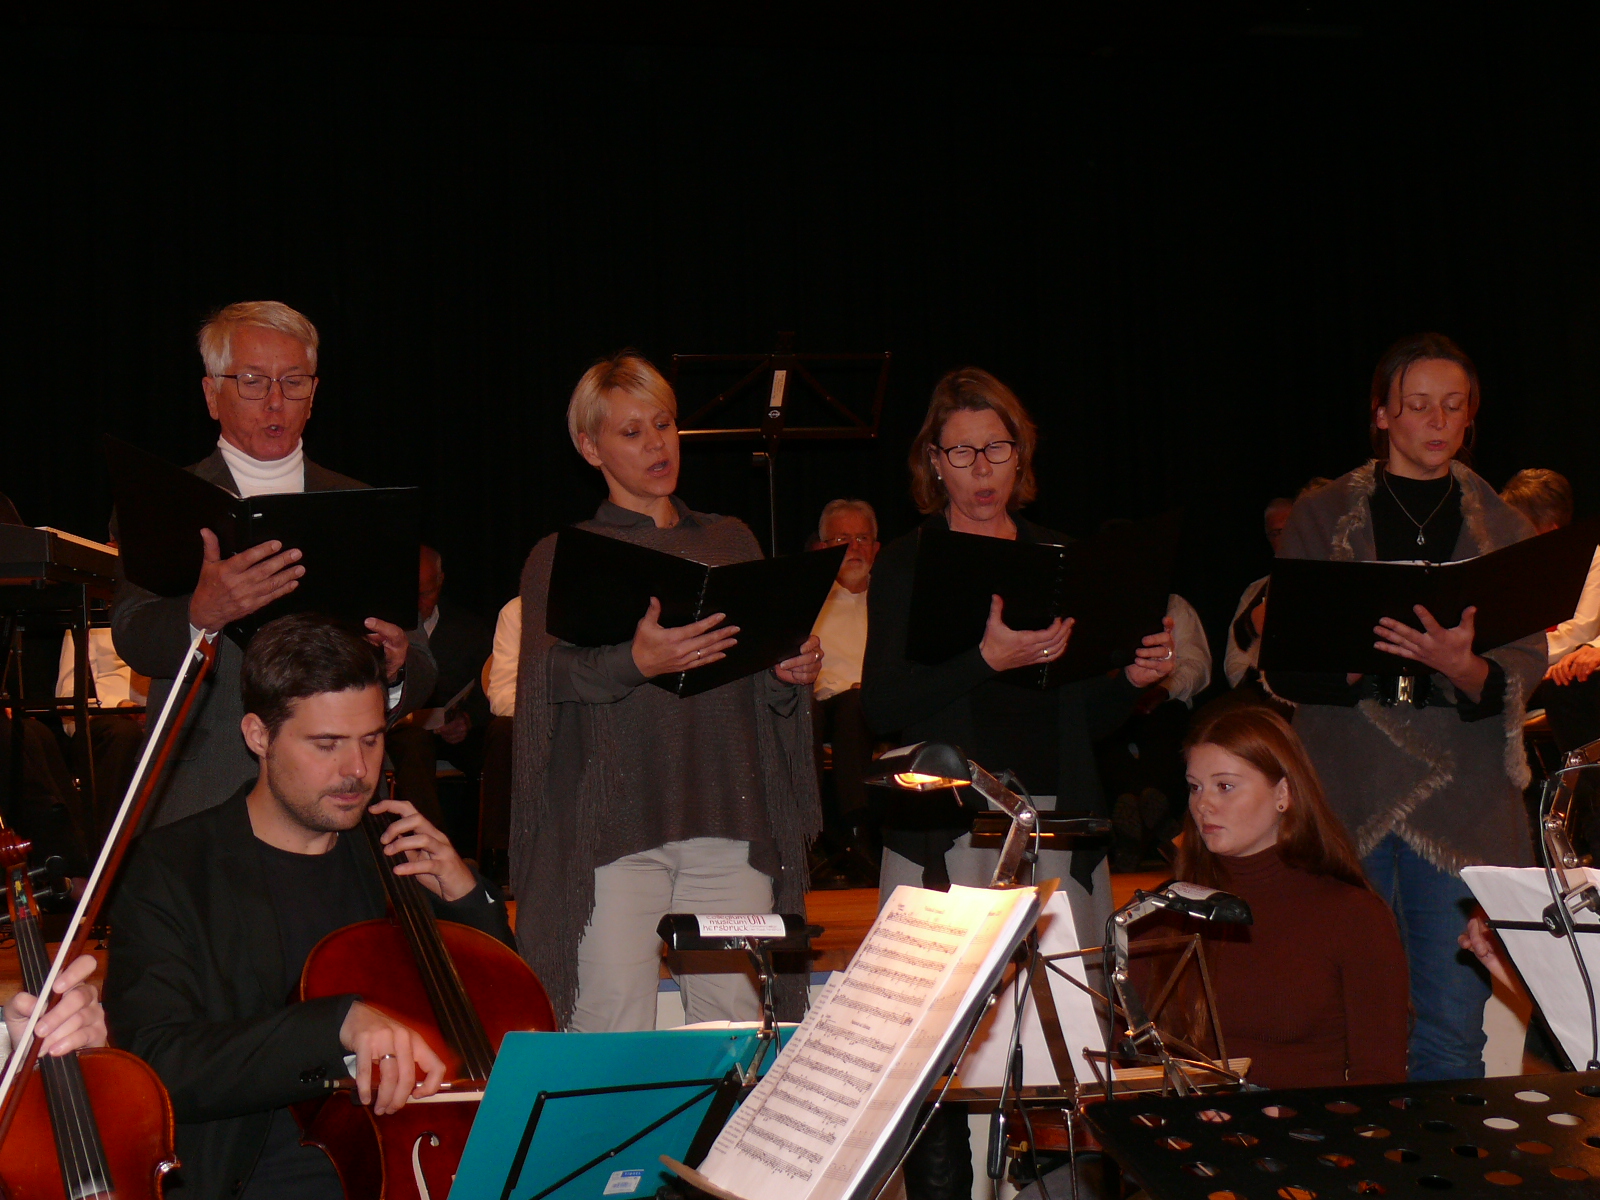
1320, 615
359, 547
1114, 584
600, 588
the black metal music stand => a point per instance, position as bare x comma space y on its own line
783, 368
1536, 1136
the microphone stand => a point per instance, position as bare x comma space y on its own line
1143, 1038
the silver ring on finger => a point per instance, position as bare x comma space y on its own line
381, 1057
697, 654
1167, 656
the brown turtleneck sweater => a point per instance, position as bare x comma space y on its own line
1316, 991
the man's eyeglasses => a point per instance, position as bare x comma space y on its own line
860, 539
259, 387
965, 456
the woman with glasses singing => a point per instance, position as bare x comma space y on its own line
1424, 765
971, 471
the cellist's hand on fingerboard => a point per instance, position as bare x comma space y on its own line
428, 853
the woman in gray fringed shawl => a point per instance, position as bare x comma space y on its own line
628, 802
1425, 766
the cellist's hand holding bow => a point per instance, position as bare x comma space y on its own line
396, 1051
429, 854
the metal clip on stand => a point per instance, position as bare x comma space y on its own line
1576, 892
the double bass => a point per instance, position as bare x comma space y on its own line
89, 1124
458, 987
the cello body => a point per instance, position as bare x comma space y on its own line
413, 1154
127, 1098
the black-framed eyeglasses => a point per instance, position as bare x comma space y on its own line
259, 387
860, 539
965, 456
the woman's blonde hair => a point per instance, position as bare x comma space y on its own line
969, 389
216, 335
625, 371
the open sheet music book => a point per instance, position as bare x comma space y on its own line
829, 1119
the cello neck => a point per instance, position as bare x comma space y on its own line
452, 1007
79, 1150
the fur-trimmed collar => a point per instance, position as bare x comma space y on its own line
1353, 539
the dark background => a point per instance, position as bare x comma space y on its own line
1183, 240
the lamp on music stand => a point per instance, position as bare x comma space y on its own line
930, 766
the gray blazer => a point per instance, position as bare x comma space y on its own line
151, 634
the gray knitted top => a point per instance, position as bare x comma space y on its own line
607, 765
1451, 789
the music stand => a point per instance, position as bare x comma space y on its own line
783, 367
590, 1114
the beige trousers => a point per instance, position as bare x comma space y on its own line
619, 958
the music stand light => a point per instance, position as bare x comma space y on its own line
930, 766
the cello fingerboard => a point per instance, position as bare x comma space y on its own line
452, 1008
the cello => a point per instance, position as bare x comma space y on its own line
68, 1098
90, 1124
458, 987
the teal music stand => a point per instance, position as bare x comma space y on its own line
569, 1115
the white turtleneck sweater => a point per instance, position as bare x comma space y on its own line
257, 478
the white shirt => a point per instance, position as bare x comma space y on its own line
1238, 661
113, 678
1584, 627
503, 662
1192, 672
842, 628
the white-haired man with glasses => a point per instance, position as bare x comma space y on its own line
260, 383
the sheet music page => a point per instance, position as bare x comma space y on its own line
1081, 1025
1545, 962
879, 1034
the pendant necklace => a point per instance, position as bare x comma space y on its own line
1422, 538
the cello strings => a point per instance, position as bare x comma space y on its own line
71, 1115
469, 1039
450, 1005
453, 1005
405, 905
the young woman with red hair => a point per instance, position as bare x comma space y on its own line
1315, 991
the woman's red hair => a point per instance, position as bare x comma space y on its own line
1311, 838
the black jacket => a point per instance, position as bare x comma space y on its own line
934, 703
194, 987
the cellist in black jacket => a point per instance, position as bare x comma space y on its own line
216, 913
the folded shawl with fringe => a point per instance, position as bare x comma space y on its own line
574, 806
